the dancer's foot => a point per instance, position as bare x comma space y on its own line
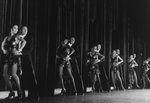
101, 90
82, 92
20, 95
123, 88
75, 92
130, 87
11, 95
63, 92
137, 86
93, 89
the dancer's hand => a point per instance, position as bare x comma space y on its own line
114, 64
16, 52
5, 51
20, 71
67, 58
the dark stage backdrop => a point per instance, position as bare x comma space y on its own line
90, 21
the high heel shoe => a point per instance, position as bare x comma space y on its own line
82, 92
75, 93
123, 88
11, 95
20, 95
63, 92
101, 90
138, 86
93, 89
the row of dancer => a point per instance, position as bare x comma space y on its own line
95, 59
133, 79
67, 54
117, 63
18, 67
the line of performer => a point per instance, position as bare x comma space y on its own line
16, 49
67, 54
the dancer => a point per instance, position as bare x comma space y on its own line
116, 61
12, 46
103, 71
98, 51
146, 68
120, 65
63, 54
75, 66
94, 71
132, 74
28, 78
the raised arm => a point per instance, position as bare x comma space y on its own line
135, 63
102, 57
29, 47
68, 56
58, 52
120, 60
88, 57
23, 43
3, 44
76, 54
72, 51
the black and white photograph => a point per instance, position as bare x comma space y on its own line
75, 51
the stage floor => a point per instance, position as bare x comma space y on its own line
119, 96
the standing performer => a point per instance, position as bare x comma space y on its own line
94, 71
75, 66
28, 78
98, 51
116, 61
103, 71
63, 54
146, 68
120, 65
12, 46
132, 74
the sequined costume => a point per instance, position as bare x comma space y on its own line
62, 53
115, 73
145, 75
94, 71
115, 68
12, 45
94, 66
131, 72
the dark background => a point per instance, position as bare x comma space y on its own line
115, 24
